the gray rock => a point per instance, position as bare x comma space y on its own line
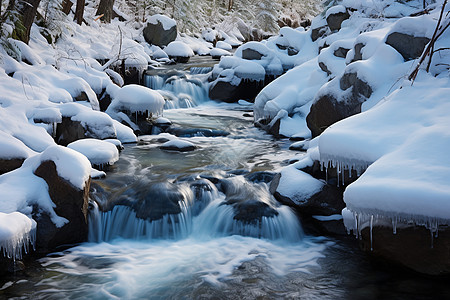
227, 92
410, 47
155, 34
251, 54
324, 68
341, 52
334, 21
318, 32
357, 50
360, 87
69, 131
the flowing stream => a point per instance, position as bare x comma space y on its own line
203, 225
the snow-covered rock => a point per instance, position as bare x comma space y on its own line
100, 153
178, 145
160, 30
179, 51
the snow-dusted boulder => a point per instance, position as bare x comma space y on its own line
80, 122
133, 104
179, 51
160, 30
100, 153
67, 174
335, 15
178, 145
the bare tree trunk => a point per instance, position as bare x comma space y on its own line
105, 8
79, 11
28, 11
67, 6
230, 5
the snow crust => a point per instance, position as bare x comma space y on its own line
297, 185
178, 49
137, 98
98, 152
166, 22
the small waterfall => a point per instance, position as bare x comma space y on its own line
209, 214
180, 90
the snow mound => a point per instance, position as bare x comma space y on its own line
178, 49
100, 153
218, 52
137, 98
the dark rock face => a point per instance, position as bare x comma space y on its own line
334, 21
410, 47
68, 131
324, 68
358, 54
179, 149
360, 87
251, 54
153, 201
328, 110
156, 35
261, 176
318, 32
341, 52
412, 247
227, 92
71, 203
7, 165
180, 59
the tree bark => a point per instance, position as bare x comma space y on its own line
105, 7
67, 6
28, 11
79, 11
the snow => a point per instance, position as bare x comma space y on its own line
166, 22
217, 52
297, 185
178, 144
136, 98
178, 49
98, 152
70, 165
124, 133
11, 148
223, 45
335, 10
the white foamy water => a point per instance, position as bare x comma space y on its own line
129, 269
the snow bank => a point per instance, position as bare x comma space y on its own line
407, 153
99, 153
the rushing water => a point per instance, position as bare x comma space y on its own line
204, 248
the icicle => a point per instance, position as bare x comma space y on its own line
371, 228
432, 241
394, 225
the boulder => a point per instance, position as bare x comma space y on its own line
68, 131
70, 203
156, 34
228, 92
412, 246
251, 54
410, 47
327, 110
318, 32
178, 145
358, 54
153, 201
335, 20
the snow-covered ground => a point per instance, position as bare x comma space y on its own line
401, 137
